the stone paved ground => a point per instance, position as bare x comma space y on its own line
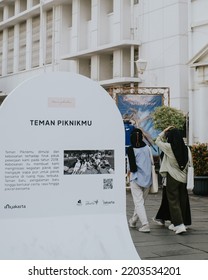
163, 244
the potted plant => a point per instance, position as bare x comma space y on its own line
200, 163
165, 116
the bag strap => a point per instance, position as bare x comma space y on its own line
190, 157
151, 156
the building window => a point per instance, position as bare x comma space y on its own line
136, 2
109, 6
106, 66
11, 10
49, 35
1, 51
22, 46
10, 53
70, 15
85, 9
85, 67
23, 5
136, 57
35, 41
1, 14
35, 2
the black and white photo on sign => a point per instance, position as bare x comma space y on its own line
88, 162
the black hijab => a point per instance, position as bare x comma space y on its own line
136, 139
180, 150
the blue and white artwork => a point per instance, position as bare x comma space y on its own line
137, 110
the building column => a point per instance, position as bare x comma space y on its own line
190, 136
29, 44
202, 113
4, 52
42, 46
75, 25
57, 36
95, 67
16, 48
94, 27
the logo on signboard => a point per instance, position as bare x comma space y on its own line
79, 202
108, 202
8, 206
90, 203
63, 102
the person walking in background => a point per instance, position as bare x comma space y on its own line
174, 168
139, 162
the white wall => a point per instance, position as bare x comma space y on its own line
198, 92
164, 46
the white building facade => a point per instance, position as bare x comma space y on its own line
198, 70
102, 39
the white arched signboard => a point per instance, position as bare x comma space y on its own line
62, 172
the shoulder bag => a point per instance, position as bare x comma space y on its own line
190, 172
154, 186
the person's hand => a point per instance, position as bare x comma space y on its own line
168, 128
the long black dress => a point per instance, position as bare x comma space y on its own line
164, 212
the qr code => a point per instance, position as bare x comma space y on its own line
107, 184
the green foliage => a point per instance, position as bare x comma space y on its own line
165, 116
200, 159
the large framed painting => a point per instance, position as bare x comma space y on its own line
136, 111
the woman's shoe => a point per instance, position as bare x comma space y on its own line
172, 227
160, 222
144, 228
180, 229
132, 223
